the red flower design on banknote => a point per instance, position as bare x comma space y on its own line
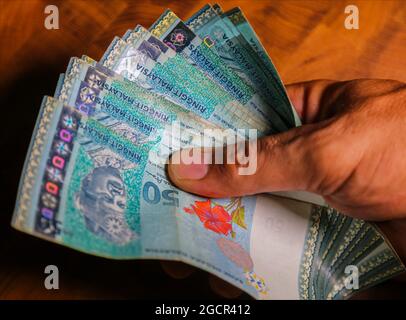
214, 218
179, 38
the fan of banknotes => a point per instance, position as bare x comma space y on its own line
94, 177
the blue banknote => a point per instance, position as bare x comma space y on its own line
237, 18
235, 51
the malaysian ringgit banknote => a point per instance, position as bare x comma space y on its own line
238, 54
94, 180
243, 29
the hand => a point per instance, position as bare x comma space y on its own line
350, 150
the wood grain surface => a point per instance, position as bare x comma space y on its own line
306, 40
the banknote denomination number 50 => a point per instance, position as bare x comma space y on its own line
153, 195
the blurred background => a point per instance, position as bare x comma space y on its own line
305, 39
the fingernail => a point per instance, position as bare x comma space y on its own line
189, 171
193, 171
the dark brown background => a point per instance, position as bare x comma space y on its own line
306, 40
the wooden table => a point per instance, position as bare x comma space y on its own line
306, 40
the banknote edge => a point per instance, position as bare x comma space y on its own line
160, 26
205, 12
31, 163
237, 12
307, 257
387, 241
309, 251
115, 49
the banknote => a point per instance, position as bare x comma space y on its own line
238, 54
239, 20
236, 16
59, 128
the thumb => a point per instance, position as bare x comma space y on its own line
281, 162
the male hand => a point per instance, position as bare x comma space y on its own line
351, 150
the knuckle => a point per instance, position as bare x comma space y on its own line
266, 146
265, 151
227, 173
319, 156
